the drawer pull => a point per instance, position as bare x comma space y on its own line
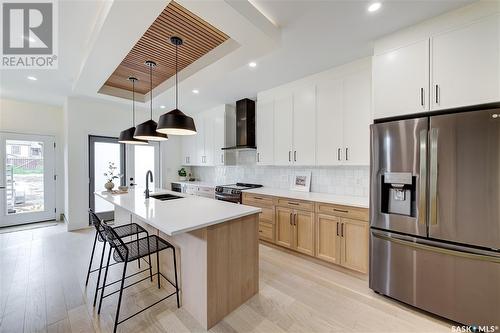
340, 210
258, 198
260, 230
293, 203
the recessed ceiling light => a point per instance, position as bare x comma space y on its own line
196, 91
32, 78
162, 106
374, 7
252, 64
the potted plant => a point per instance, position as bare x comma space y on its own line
110, 176
182, 174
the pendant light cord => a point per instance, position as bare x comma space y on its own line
133, 103
151, 91
176, 80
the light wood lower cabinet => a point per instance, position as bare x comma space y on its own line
342, 241
334, 233
284, 228
295, 229
354, 245
328, 238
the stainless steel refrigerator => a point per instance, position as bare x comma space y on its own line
435, 214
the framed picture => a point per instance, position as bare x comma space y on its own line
301, 181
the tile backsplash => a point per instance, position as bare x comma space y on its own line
341, 180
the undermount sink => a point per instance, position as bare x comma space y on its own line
165, 197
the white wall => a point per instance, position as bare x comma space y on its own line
84, 117
42, 119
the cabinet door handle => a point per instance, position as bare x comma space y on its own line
295, 156
337, 228
346, 154
295, 219
437, 94
289, 156
338, 154
222, 158
258, 157
342, 230
290, 218
422, 96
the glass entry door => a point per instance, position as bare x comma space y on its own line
27, 178
103, 152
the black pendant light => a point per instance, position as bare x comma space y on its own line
127, 136
147, 130
176, 122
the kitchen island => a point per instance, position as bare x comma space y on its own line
216, 243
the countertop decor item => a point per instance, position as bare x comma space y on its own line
110, 176
147, 130
182, 174
127, 136
301, 181
176, 122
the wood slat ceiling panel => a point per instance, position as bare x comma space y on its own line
199, 38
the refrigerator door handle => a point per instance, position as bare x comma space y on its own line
433, 195
422, 197
452, 250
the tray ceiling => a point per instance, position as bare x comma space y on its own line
199, 38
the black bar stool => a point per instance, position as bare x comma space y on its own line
130, 251
126, 230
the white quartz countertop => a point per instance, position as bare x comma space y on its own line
362, 202
179, 215
196, 183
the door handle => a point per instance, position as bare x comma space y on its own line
437, 94
338, 154
337, 228
346, 154
433, 220
258, 157
295, 219
290, 218
295, 156
342, 230
422, 96
422, 204
289, 156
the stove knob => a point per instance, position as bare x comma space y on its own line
218, 189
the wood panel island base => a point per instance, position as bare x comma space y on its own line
218, 260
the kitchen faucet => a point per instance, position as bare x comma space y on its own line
150, 174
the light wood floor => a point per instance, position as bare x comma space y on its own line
42, 277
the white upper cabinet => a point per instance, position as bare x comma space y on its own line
343, 119
283, 126
357, 117
329, 130
401, 80
304, 125
189, 149
466, 65
215, 130
456, 61
265, 132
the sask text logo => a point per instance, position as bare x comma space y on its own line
28, 35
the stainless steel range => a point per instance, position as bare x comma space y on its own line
232, 193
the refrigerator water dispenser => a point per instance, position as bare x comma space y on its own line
398, 193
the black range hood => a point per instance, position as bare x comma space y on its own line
245, 125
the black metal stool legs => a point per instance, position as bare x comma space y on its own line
176, 282
104, 282
91, 258
99, 274
158, 263
119, 296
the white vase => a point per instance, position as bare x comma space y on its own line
182, 179
109, 186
